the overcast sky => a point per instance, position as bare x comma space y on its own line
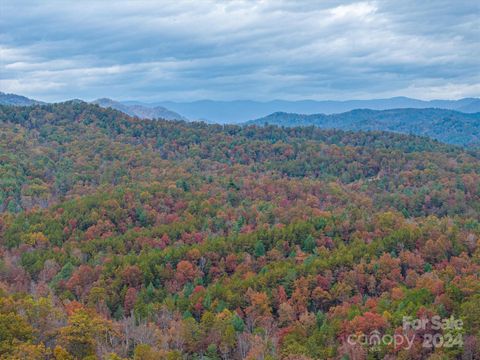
191, 50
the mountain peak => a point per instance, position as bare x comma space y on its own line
17, 100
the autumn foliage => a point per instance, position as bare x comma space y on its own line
147, 239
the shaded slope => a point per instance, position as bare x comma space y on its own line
445, 125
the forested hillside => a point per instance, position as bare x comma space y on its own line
127, 238
449, 126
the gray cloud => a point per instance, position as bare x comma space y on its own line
185, 50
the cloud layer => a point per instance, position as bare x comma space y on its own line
262, 50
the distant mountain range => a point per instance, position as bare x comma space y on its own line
448, 126
241, 111
141, 111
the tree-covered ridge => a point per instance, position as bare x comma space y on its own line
127, 238
448, 126
72, 148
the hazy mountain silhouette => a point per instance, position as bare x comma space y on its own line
244, 110
141, 111
17, 100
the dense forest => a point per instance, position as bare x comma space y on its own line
123, 238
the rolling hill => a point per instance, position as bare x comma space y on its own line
17, 100
448, 126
